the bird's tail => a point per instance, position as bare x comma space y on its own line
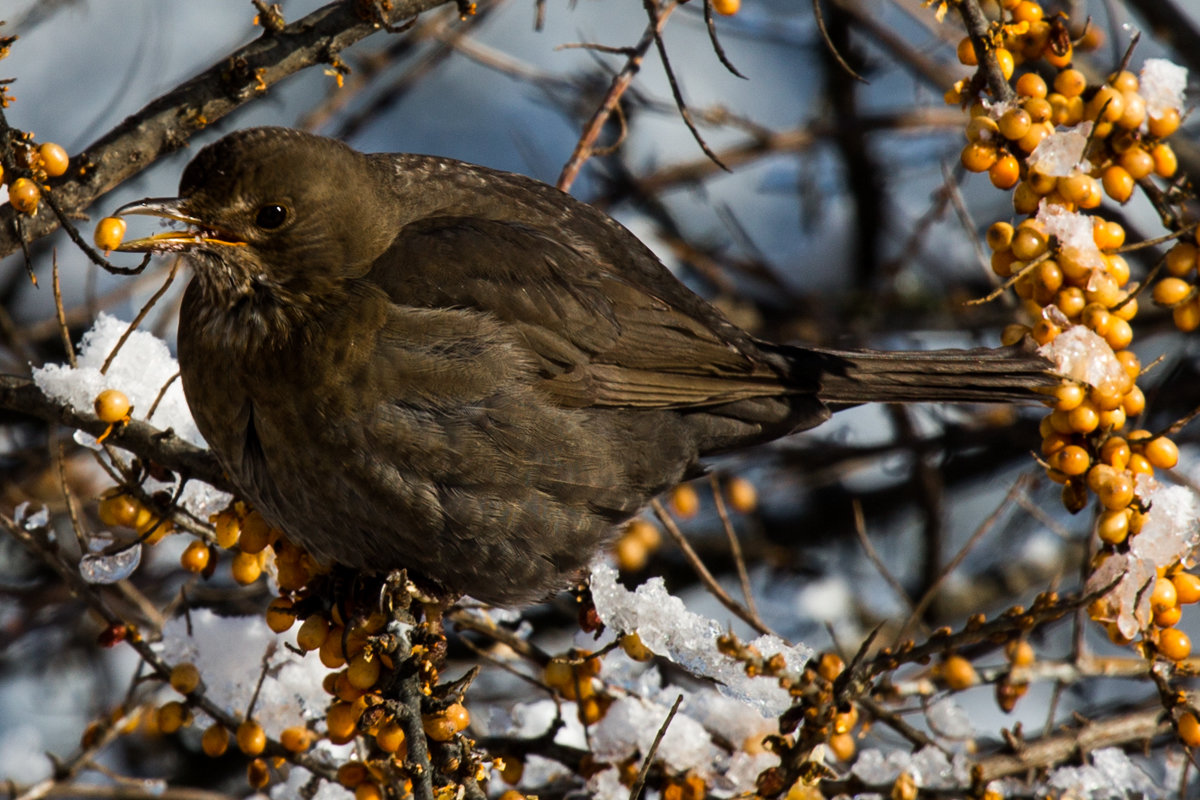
982, 375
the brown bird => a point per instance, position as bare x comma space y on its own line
409, 361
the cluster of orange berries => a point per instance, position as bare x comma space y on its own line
957, 673
44, 161
573, 676
1177, 291
1067, 283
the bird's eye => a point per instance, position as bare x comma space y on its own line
271, 216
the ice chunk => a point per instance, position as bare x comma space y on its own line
1061, 153
1073, 231
1162, 84
97, 567
1082, 354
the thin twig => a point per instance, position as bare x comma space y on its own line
735, 547
636, 790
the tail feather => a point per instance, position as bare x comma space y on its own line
982, 375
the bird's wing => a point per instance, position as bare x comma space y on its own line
601, 334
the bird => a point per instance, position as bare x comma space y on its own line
407, 361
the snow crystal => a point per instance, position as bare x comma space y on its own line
95, 567
1061, 153
1111, 774
1169, 534
606, 785
1073, 231
1083, 355
1161, 84
873, 766
948, 719
630, 727
740, 776
670, 630
140, 369
228, 651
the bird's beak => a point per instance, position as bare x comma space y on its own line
175, 208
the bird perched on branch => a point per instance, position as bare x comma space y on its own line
408, 361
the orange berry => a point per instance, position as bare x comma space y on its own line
1005, 173
979, 156
54, 158
368, 790
251, 738
1189, 729
741, 494
215, 740
330, 652
363, 672
512, 771
958, 673
1161, 452
633, 646
1168, 617
351, 773
999, 235
172, 716
1072, 460
1031, 85
109, 233
1169, 291
442, 726
342, 721
246, 568
1027, 11
684, 501
228, 527
185, 678
313, 632
195, 557
1015, 123
112, 406
843, 746
1165, 161
1164, 124
1007, 64
631, 553
258, 774
1020, 652
966, 52
280, 615
727, 7
1070, 83
1137, 162
297, 738
256, 533
1174, 644
1163, 596
390, 737
1118, 183
558, 674
23, 195
1117, 491
1187, 587
1187, 315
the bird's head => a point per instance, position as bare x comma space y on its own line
276, 211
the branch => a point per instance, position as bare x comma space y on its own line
141, 438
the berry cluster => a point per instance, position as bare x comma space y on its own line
1063, 144
35, 165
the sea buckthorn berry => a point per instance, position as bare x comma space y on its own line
1169, 291
228, 528
1042, 184
1006, 61
1025, 199
1070, 83
54, 159
195, 557
112, 406
1163, 124
830, 666
172, 716
297, 738
1187, 315
1000, 235
363, 672
684, 501
1119, 335
1015, 123
1138, 465
1163, 596
1124, 81
330, 651
958, 673
119, 509
390, 737
1019, 652
1189, 729
246, 568
979, 156
1161, 452
1084, 418
185, 678
1027, 11
631, 553
442, 726
1187, 587
1115, 452
727, 7
1130, 363
109, 233
741, 494
1028, 243
280, 615
843, 746
1005, 173
633, 646
251, 738
1045, 331
1117, 492
1031, 85
256, 533
1137, 162
1118, 183
215, 740
313, 632
1174, 644
966, 52
258, 774
1072, 460
1113, 526
1181, 259
1039, 109
369, 790
1106, 105
341, 719
1165, 161
1168, 617
23, 195
1029, 142
1013, 334
1068, 396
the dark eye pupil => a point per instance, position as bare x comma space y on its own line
271, 216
